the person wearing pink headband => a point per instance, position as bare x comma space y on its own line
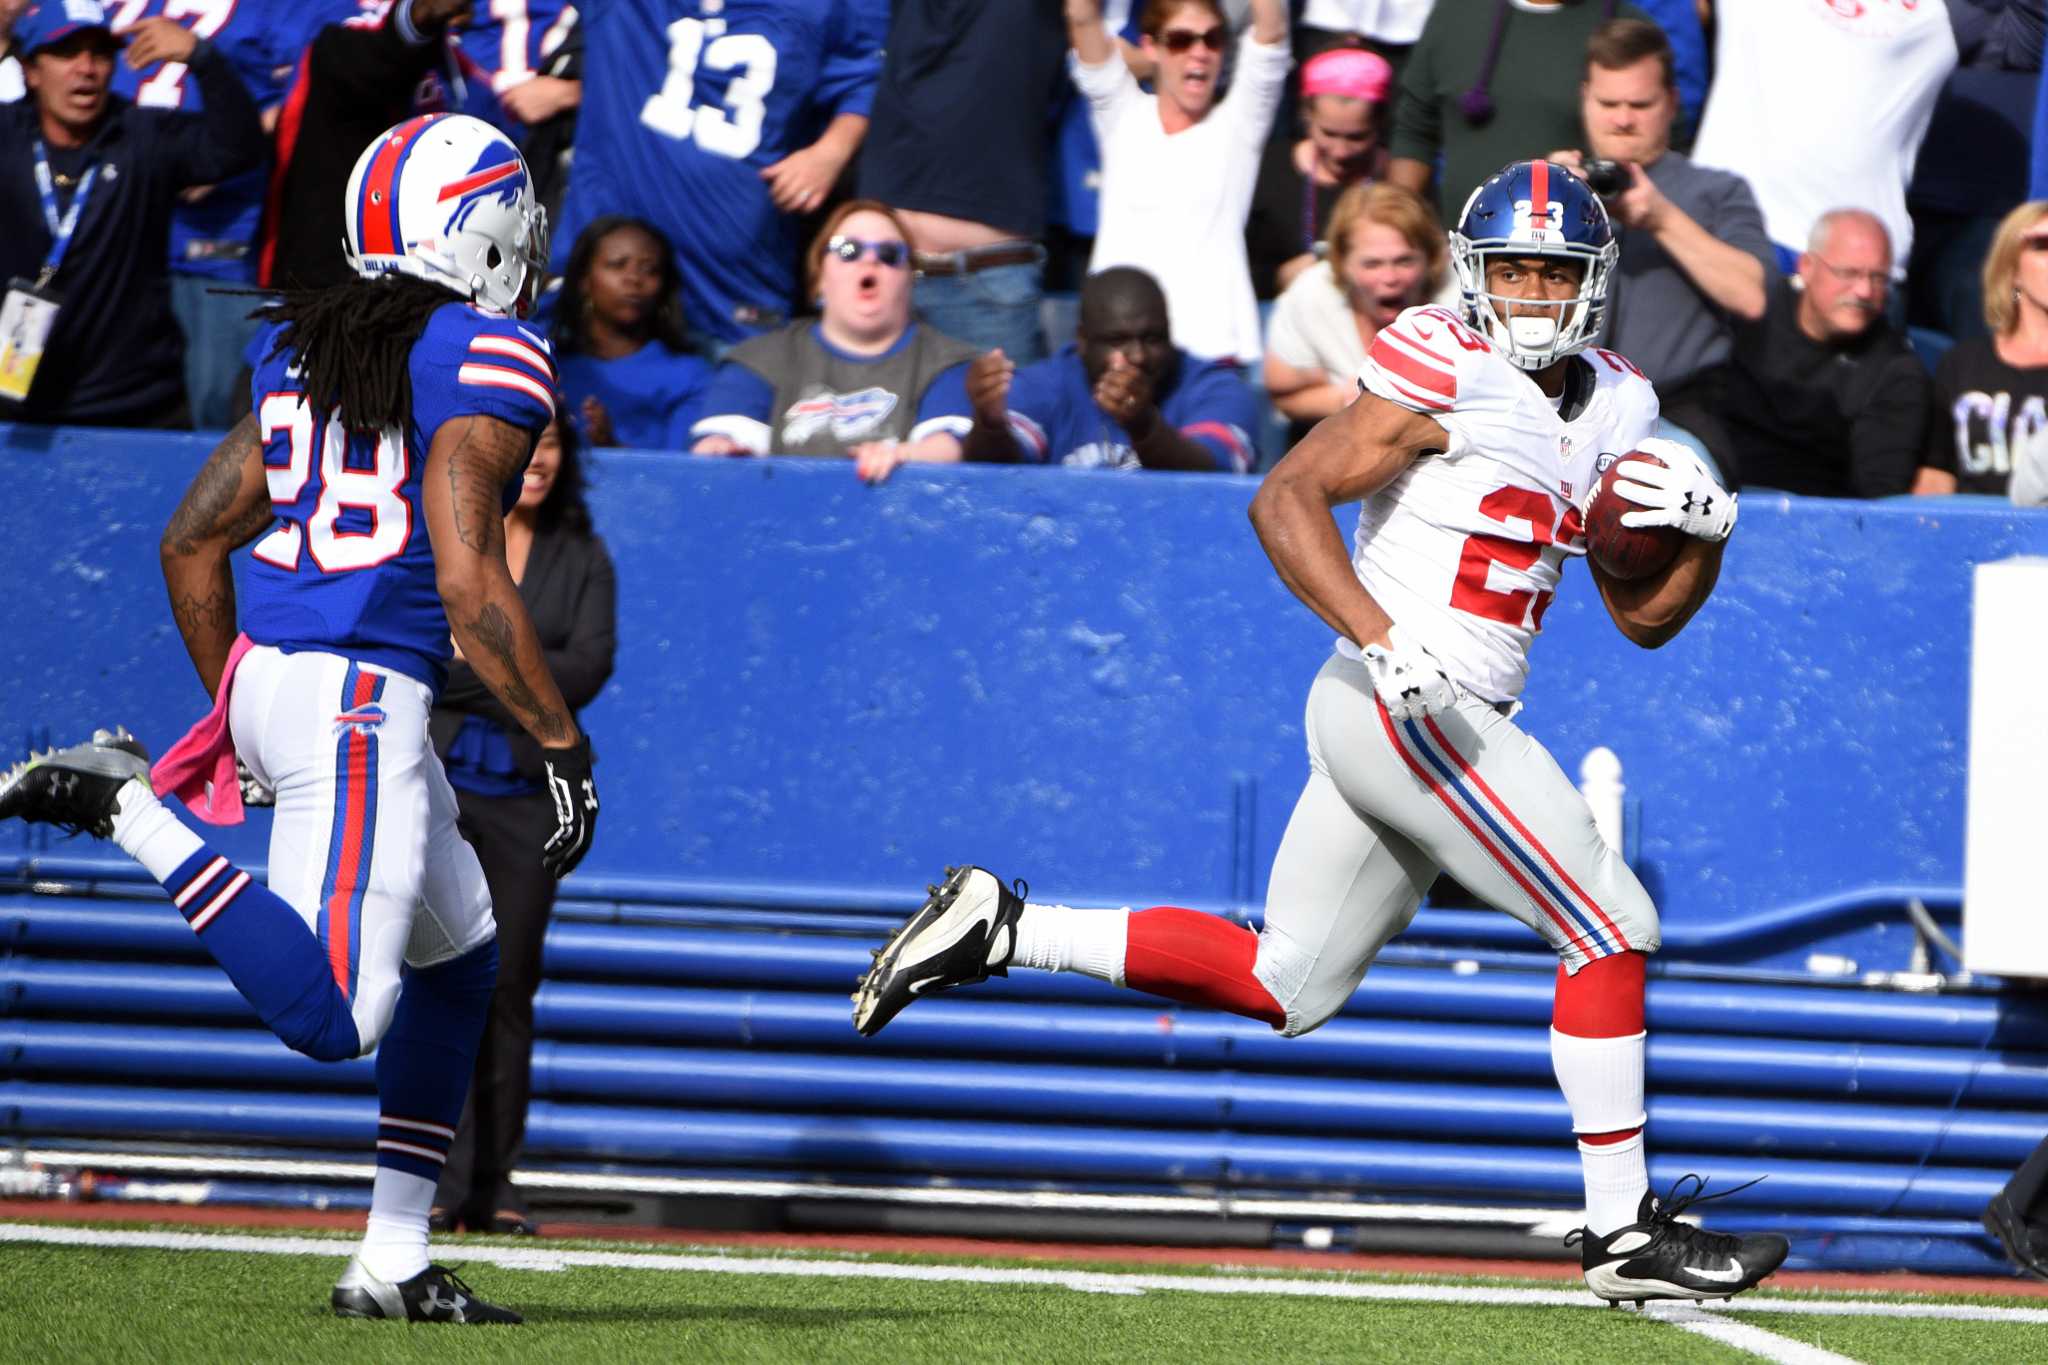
1348, 71
1344, 94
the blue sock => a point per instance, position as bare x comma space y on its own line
267, 951
426, 1059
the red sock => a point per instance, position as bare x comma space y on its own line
1200, 959
1605, 1000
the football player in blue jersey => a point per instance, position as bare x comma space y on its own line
720, 121
391, 419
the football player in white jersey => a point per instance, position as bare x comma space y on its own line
1473, 445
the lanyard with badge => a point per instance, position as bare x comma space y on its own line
30, 310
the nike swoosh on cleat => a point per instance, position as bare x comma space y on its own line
1729, 1276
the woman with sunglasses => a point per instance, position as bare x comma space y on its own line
625, 366
1990, 427
1178, 166
861, 379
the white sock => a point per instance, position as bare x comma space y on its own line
147, 831
1615, 1183
394, 1247
1058, 938
1602, 1081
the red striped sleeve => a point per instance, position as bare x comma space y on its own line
1417, 373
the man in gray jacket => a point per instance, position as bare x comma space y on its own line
1694, 253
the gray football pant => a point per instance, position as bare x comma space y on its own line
1390, 804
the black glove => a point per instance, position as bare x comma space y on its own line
575, 795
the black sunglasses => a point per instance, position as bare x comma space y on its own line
1180, 39
891, 255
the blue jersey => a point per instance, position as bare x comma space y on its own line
1053, 412
508, 39
653, 396
215, 236
699, 97
350, 567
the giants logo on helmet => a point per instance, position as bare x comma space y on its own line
498, 174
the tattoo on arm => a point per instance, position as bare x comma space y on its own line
208, 508
485, 459
215, 612
494, 630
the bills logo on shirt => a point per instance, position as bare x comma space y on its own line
849, 415
359, 720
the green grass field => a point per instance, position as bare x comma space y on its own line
223, 1296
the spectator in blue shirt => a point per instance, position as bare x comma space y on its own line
620, 349
1122, 396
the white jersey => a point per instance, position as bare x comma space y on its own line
1465, 548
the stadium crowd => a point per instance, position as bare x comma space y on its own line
846, 227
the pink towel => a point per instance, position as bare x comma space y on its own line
200, 768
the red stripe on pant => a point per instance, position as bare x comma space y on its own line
351, 869
1198, 959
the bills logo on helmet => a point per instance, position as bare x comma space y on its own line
498, 174
359, 720
848, 414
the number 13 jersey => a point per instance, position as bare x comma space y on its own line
349, 569
1465, 548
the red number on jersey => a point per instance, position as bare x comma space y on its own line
1460, 333
1619, 363
1470, 593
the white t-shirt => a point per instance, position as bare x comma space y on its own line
1464, 549
12, 87
1175, 206
1390, 21
1314, 328
1822, 106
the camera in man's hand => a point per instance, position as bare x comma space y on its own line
1608, 179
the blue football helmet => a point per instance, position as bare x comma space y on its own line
1535, 208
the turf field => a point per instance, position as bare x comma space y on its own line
164, 1294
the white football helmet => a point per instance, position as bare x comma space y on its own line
446, 198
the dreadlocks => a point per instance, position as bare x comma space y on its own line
354, 343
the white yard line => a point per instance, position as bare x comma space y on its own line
1087, 1281
1745, 1337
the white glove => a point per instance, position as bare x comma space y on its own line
1681, 493
1410, 681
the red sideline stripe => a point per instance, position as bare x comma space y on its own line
351, 868
1523, 830
490, 175
376, 235
1450, 802
1539, 195
1441, 385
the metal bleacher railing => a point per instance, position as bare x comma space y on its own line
693, 1039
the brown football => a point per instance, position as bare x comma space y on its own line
1626, 552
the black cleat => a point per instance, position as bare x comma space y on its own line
74, 788
965, 933
2027, 1251
1658, 1257
433, 1295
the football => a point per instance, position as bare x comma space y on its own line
1626, 552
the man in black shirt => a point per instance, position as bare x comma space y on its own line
970, 191
87, 185
1825, 397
